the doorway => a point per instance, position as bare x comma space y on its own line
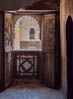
69, 38
31, 38
31, 43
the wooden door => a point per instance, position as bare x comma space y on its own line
8, 48
1, 51
50, 64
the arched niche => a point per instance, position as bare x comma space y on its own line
27, 29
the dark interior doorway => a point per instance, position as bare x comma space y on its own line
69, 38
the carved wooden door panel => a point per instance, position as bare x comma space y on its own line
8, 48
48, 49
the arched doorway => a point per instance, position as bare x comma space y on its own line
69, 38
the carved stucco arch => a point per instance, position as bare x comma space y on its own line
28, 22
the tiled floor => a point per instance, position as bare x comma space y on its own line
30, 90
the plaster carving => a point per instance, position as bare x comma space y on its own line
22, 30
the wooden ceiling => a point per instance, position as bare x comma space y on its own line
29, 4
